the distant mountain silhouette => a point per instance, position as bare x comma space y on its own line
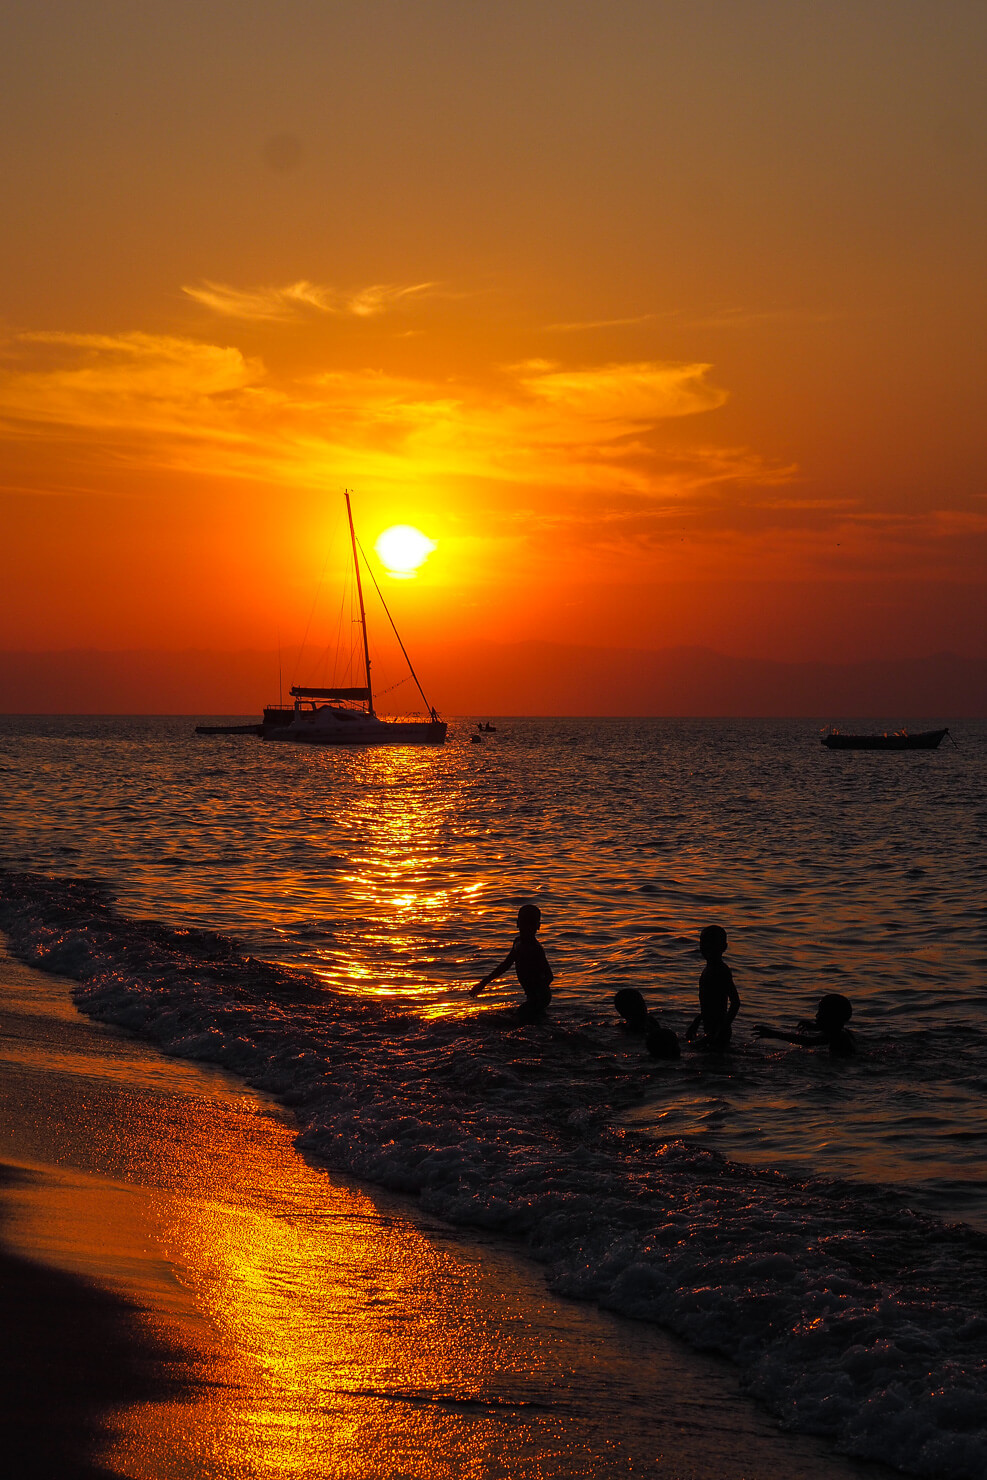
515, 678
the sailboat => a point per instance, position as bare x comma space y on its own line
346, 716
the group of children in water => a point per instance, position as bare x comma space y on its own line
718, 999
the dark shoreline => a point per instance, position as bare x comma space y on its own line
71, 1353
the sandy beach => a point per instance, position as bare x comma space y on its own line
72, 1355
194, 1299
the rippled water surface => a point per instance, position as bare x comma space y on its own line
398, 873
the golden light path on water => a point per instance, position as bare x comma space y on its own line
401, 893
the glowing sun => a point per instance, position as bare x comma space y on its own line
403, 550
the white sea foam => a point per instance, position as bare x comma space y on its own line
851, 1315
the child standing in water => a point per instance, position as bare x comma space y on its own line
531, 964
718, 999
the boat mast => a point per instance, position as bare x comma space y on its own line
359, 592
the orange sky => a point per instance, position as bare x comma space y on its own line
664, 321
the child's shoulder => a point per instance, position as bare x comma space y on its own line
716, 971
527, 945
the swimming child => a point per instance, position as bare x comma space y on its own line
531, 964
660, 1042
828, 1029
633, 1009
718, 999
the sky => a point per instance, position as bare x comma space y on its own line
664, 322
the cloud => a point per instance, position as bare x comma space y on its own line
745, 318
291, 302
723, 318
589, 435
539, 453
133, 383
623, 395
578, 325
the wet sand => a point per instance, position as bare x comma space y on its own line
202, 1302
71, 1355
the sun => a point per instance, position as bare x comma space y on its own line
403, 550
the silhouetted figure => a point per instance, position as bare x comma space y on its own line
660, 1042
633, 1009
827, 1030
531, 964
718, 999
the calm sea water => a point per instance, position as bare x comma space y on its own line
311, 920
398, 873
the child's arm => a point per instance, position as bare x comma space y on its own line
807, 1040
485, 981
734, 1001
693, 1027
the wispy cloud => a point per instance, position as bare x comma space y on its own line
748, 318
623, 395
578, 325
587, 432
575, 455
718, 318
135, 383
294, 300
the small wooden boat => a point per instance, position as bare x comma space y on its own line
899, 740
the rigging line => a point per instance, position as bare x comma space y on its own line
323, 665
381, 692
315, 600
339, 635
393, 628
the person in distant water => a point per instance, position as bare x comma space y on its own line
660, 1042
531, 964
718, 999
828, 1029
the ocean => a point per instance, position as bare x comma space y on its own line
312, 920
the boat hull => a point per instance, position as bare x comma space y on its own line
926, 740
385, 732
229, 729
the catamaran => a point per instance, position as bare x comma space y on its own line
346, 716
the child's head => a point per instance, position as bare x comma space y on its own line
631, 1005
662, 1043
528, 919
712, 942
833, 1013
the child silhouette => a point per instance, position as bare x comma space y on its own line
828, 1029
531, 964
718, 999
660, 1042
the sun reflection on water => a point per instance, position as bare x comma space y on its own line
346, 1342
400, 897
